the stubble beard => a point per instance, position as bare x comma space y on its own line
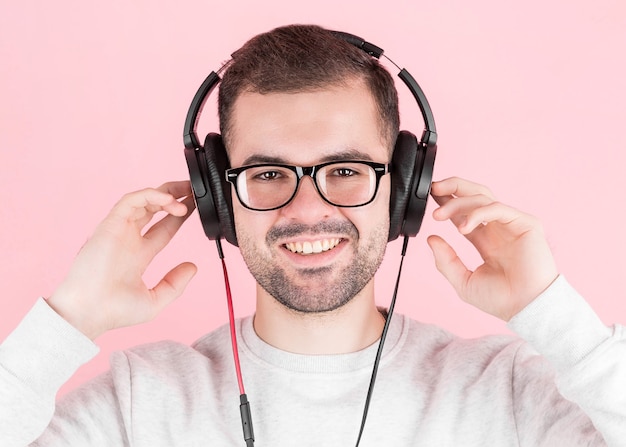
332, 289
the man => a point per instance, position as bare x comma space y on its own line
307, 353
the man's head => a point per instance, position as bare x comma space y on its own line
301, 96
301, 58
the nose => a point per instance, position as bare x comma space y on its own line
307, 206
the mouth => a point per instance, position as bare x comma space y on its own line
312, 247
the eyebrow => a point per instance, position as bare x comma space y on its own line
349, 154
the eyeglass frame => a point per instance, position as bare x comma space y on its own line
380, 169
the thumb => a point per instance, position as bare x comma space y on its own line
449, 264
173, 284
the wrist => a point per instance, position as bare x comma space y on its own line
535, 293
68, 307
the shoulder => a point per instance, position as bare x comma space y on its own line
174, 359
442, 339
440, 348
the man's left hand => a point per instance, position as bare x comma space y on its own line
518, 265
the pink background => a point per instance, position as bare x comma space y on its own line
529, 99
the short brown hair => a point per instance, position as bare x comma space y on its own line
299, 58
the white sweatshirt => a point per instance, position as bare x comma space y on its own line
433, 389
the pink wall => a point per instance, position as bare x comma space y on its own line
528, 100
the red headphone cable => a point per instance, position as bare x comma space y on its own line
244, 407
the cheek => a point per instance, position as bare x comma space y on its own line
242, 224
252, 226
381, 202
372, 219
381, 213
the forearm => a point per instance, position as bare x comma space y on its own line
35, 361
589, 358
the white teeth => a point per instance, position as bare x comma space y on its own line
307, 248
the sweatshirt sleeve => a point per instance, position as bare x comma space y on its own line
36, 359
588, 357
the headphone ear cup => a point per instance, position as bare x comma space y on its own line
402, 167
411, 176
196, 163
216, 165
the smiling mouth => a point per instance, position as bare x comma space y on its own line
315, 247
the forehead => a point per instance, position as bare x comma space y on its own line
305, 128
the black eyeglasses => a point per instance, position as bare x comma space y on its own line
266, 187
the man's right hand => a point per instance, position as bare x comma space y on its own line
104, 289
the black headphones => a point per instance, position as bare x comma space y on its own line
411, 165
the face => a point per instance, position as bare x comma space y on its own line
309, 255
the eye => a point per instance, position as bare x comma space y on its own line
267, 175
345, 172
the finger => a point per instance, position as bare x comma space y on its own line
140, 206
180, 208
442, 200
456, 209
178, 189
458, 187
449, 264
137, 205
172, 285
162, 232
496, 212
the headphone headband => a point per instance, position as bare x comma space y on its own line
429, 135
190, 137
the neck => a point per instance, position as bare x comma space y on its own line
350, 328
